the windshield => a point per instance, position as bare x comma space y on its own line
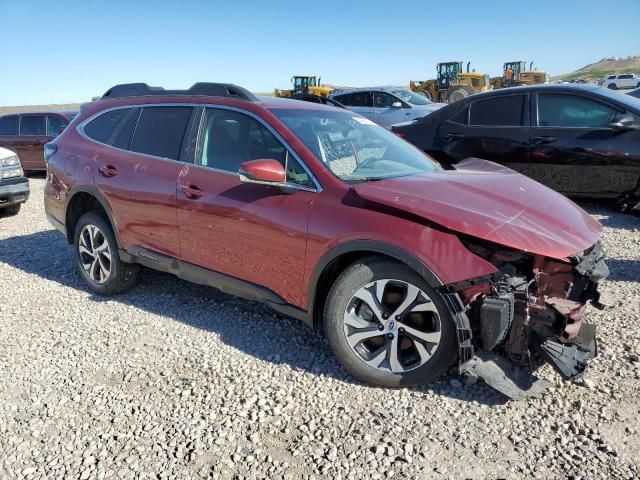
412, 97
354, 148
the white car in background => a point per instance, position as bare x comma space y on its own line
14, 186
623, 80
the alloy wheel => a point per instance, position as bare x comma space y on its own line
95, 254
392, 325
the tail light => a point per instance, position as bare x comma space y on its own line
400, 134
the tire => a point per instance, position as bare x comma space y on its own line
371, 360
638, 85
612, 86
94, 243
457, 93
10, 211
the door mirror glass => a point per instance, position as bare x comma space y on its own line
624, 121
396, 105
263, 171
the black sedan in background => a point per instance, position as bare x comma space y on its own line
583, 141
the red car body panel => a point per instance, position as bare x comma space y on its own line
488, 201
247, 231
260, 235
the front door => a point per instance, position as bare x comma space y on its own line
574, 150
256, 233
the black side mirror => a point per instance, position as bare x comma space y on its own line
624, 121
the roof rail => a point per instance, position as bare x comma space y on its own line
200, 88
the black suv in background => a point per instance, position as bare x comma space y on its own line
583, 141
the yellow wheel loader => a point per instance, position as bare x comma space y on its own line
452, 83
515, 73
305, 84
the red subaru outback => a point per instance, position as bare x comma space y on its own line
408, 268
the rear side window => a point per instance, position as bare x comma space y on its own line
32, 125
160, 131
361, 99
101, 128
571, 111
504, 111
55, 125
343, 99
625, 77
9, 125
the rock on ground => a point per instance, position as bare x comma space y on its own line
174, 380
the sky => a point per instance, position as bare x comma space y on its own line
70, 51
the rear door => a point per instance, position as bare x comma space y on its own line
31, 140
136, 168
493, 128
385, 114
574, 149
256, 233
362, 103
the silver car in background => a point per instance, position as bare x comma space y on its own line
386, 105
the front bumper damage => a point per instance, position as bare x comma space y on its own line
531, 311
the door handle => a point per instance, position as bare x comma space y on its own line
542, 140
108, 170
192, 192
454, 135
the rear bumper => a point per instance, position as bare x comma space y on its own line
14, 191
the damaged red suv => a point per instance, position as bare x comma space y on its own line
408, 269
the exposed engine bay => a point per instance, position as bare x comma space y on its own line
531, 310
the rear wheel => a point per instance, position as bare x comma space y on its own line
10, 211
97, 257
387, 326
458, 93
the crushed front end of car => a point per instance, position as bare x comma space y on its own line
530, 311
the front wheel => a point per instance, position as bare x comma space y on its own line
612, 86
97, 257
387, 326
10, 211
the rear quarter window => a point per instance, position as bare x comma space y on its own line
103, 127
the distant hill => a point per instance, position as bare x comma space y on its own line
606, 66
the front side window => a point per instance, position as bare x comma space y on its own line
361, 99
9, 125
160, 131
572, 111
354, 148
55, 125
229, 138
502, 111
383, 100
412, 97
32, 125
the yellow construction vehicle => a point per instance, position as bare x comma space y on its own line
519, 75
452, 83
305, 84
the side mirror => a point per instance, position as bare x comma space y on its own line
264, 171
396, 105
624, 121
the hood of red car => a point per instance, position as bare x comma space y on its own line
492, 202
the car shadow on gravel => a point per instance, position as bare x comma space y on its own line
625, 270
248, 326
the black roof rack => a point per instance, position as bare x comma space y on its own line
201, 88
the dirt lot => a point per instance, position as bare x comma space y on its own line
173, 380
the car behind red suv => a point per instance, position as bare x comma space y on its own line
408, 269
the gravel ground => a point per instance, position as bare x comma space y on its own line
174, 380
